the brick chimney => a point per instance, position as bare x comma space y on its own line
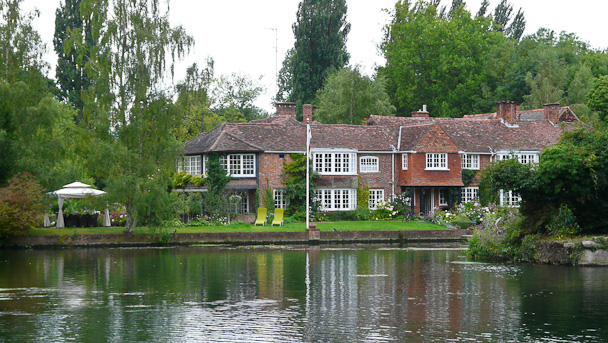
507, 111
423, 113
552, 112
286, 108
307, 114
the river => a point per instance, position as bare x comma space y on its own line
362, 293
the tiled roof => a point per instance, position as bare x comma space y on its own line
481, 133
285, 135
475, 134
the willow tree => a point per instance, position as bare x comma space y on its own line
133, 121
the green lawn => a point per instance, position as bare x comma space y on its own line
323, 226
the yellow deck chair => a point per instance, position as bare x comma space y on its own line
278, 217
261, 217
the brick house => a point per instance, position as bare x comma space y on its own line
420, 156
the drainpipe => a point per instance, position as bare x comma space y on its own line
394, 150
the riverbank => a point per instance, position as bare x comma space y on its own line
238, 238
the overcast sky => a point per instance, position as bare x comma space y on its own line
240, 34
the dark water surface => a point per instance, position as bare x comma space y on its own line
294, 294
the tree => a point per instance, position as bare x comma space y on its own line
194, 100
72, 42
20, 206
37, 134
349, 97
452, 64
320, 33
573, 174
295, 183
238, 92
133, 123
598, 97
21, 47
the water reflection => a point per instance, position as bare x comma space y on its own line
293, 294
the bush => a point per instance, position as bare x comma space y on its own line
21, 206
563, 223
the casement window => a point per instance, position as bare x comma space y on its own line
368, 164
404, 161
332, 163
238, 165
509, 198
243, 205
436, 161
470, 161
280, 200
522, 158
193, 165
469, 194
336, 199
443, 197
376, 196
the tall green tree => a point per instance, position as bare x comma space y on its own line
37, 134
598, 97
348, 97
454, 64
320, 33
134, 123
237, 93
21, 47
194, 100
72, 43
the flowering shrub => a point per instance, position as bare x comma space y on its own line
118, 218
471, 212
385, 210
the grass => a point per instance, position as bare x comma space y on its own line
323, 226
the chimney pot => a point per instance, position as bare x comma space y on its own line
307, 113
507, 111
552, 112
286, 108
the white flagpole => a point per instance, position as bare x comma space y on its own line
308, 137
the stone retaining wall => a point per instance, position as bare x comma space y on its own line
242, 238
586, 253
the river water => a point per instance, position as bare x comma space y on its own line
294, 294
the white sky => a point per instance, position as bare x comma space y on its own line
238, 35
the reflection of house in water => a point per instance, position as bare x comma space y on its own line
359, 295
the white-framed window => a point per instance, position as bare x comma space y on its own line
376, 196
470, 161
368, 164
336, 199
523, 158
509, 198
443, 197
242, 205
193, 165
238, 165
404, 161
334, 163
280, 200
437, 161
469, 194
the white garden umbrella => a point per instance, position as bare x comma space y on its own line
74, 190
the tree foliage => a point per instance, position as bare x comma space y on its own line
135, 144
598, 97
320, 33
295, 184
72, 43
194, 100
452, 64
237, 93
573, 173
20, 206
348, 97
